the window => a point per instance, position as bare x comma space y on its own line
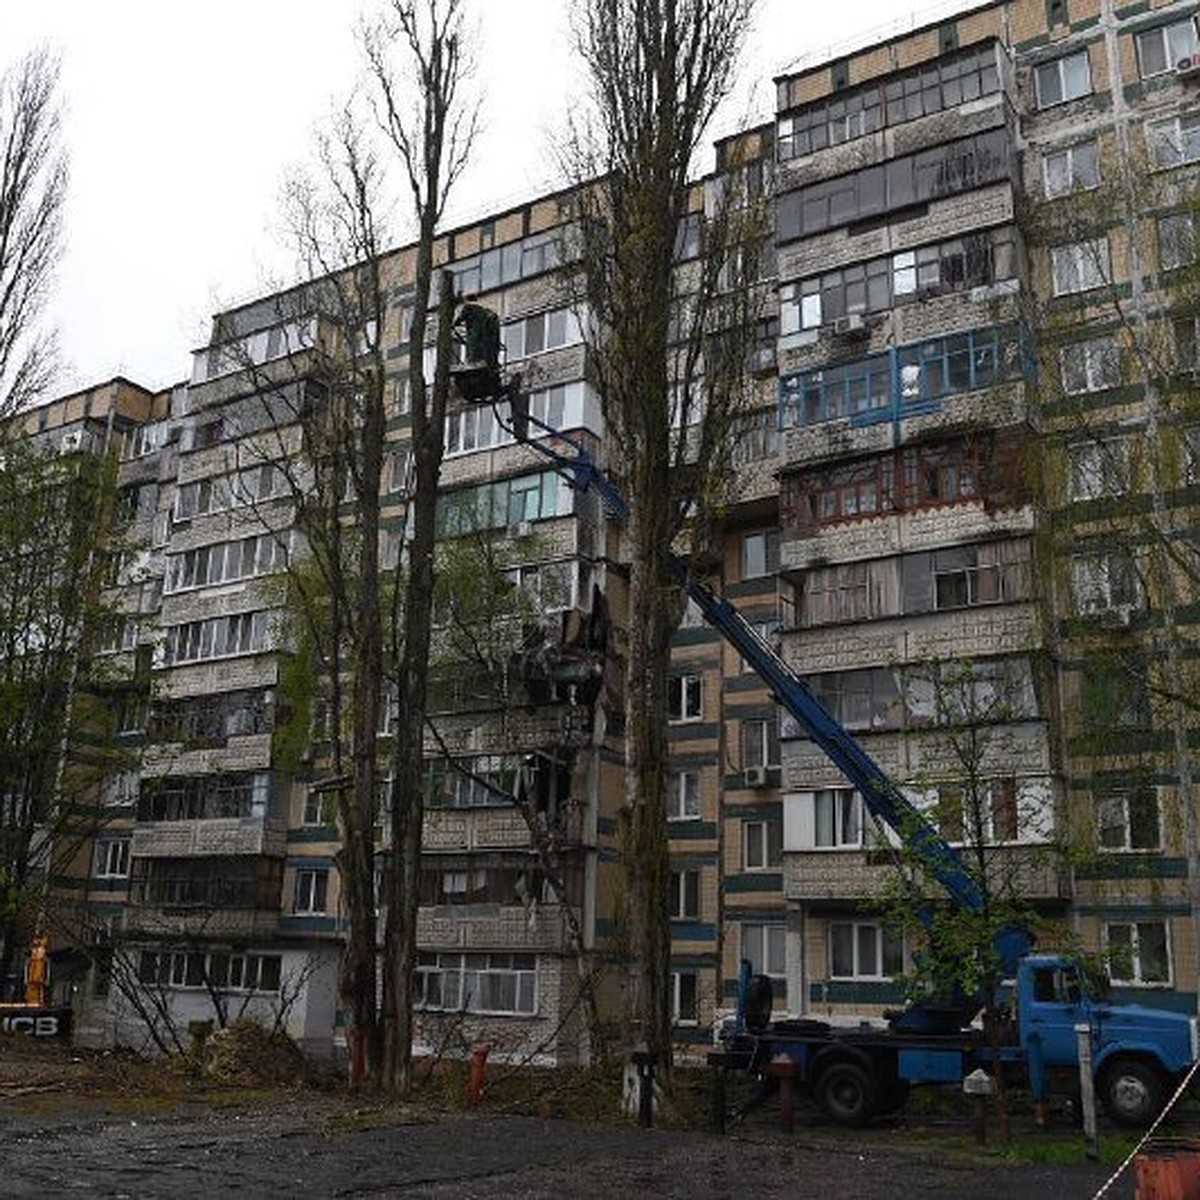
1128, 820
1138, 953
967, 576
685, 1006
1104, 582
219, 970
1098, 468
476, 983
989, 813
838, 814
941, 366
1174, 141
1064, 79
204, 797
946, 169
1176, 241
950, 81
864, 950
1158, 50
219, 637
855, 591
760, 554
112, 859
318, 809
685, 895
1080, 266
765, 946
863, 699
762, 845
502, 502
760, 743
683, 796
310, 892
684, 698
540, 332
1114, 695
1072, 169
1090, 366
227, 562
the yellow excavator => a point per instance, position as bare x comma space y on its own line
36, 1016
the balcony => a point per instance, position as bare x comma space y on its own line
195, 922
492, 829
1034, 872
536, 927
209, 838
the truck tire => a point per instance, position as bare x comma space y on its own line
1132, 1091
846, 1093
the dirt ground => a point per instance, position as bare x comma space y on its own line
74, 1123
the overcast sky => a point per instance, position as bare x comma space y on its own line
182, 121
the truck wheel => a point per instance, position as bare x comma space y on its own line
846, 1093
1132, 1091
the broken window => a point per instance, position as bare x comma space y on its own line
1128, 820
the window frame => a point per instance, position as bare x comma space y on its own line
885, 940
111, 860
685, 698
1137, 979
771, 937
310, 891
1127, 824
683, 795
1078, 267
1170, 57
678, 996
1058, 69
762, 845
1074, 179
684, 899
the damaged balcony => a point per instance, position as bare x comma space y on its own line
497, 902
209, 898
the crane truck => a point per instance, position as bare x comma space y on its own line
856, 1073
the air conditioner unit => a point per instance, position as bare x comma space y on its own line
71, 442
1189, 65
520, 529
851, 325
755, 777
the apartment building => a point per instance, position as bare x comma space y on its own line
963, 501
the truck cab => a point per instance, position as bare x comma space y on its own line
1138, 1053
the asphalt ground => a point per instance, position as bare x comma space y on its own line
280, 1150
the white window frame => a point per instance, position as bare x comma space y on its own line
764, 945
1064, 72
310, 892
683, 795
1135, 937
1174, 141
760, 554
1079, 172
847, 818
1097, 583
685, 698
686, 902
1089, 366
678, 995
1176, 40
860, 970
762, 845
1080, 266
112, 858
1118, 801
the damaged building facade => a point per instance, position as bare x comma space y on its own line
964, 500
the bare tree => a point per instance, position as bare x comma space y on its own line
419, 63
33, 183
662, 343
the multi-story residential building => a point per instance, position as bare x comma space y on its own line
962, 502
